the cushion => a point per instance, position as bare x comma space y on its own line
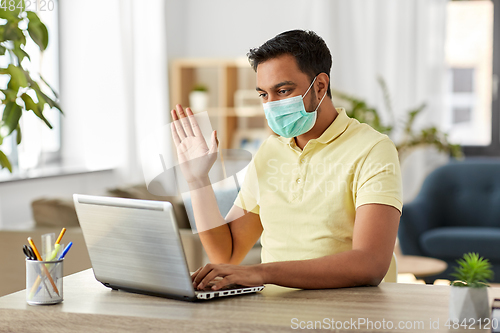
54, 212
452, 242
464, 194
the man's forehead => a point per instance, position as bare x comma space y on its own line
283, 62
279, 70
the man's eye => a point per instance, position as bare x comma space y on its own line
263, 95
283, 91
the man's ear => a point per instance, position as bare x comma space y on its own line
322, 85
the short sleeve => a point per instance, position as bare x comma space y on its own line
379, 178
248, 196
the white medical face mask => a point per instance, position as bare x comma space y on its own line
288, 117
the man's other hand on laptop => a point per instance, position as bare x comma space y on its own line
222, 275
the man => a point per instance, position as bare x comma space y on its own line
324, 195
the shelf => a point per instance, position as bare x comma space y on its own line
227, 80
244, 112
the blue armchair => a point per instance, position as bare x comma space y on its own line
456, 211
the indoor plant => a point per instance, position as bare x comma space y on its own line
468, 294
198, 98
22, 92
412, 138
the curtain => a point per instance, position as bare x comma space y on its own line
145, 68
403, 42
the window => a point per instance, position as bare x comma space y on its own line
472, 53
40, 146
462, 95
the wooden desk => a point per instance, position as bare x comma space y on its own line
89, 306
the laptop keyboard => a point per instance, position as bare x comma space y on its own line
208, 287
229, 290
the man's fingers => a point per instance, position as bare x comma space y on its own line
175, 136
202, 273
195, 273
215, 143
178, 127
209, 277
222, 283
194, 123
186, 125
174, 115
180, 111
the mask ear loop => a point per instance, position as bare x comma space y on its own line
309, 87
320, 102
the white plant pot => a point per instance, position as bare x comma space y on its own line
468, 303
198, 100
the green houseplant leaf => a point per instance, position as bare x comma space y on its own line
18, 135
19, 52
4, 161
36, 108
9, 94
10, 118
412, 138
42, 98
200, 87
6, 14
38, 31
11, 10
19, 26
17, 77
48, 85
14, 33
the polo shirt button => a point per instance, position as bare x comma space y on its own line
302, 161
299, 180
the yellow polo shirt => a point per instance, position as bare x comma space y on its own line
307, 199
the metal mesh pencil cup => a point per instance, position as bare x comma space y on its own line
44, 282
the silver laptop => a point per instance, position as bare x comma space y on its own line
134, 245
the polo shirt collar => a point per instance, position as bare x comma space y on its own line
335, 129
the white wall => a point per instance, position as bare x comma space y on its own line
226, 28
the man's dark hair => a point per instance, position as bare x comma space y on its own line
310, 51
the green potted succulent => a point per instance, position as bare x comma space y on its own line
468, 294
198, 98
23, 92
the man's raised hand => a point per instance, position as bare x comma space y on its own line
195, 157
